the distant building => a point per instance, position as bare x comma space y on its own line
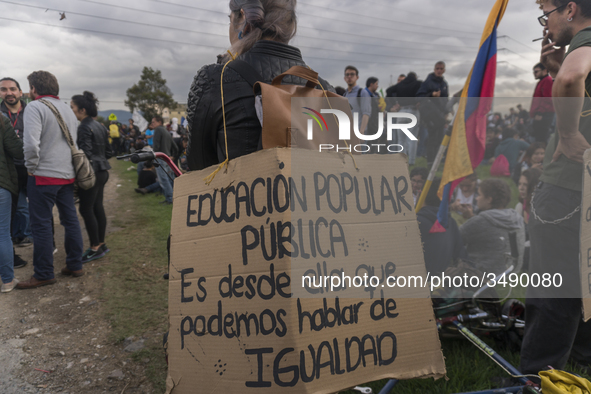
179, 112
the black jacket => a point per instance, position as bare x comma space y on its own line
18, 128
11, 148
406, 91
204, 113
433, 110
432, 84
93, 140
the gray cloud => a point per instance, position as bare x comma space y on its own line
108, 65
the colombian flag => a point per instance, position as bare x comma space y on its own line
468, 138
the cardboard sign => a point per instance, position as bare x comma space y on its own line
236, 323
586, 238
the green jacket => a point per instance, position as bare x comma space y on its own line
11, 147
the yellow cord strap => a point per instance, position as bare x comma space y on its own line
211, 176
337, 121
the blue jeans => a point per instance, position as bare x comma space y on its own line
154, 188
164, 180
6, 251
41, 202
21, 227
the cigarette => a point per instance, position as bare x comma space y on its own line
537, 39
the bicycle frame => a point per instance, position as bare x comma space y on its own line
526, 383
150, 155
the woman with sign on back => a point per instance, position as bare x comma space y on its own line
260, 31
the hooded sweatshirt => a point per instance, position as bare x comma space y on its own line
486, 237
432, 84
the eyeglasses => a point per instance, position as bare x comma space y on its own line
544, 18
350, 74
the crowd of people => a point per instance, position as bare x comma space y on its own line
37, 169
37, 173
522, 145
260, 32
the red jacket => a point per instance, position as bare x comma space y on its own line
542, 101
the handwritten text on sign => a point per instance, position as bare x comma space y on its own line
235, 317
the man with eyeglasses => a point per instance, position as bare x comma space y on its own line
554, 329
356, 95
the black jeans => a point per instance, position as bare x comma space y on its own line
92, 210
541, 128
554, 328
116, 145
434, 142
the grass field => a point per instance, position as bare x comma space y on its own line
136, 296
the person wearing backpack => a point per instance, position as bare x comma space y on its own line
510, 147
260, 31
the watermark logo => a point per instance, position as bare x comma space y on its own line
317, 117
389, 122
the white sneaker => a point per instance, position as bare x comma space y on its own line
8, 287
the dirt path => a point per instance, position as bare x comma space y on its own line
54, 339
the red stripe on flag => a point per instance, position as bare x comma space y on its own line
437, 228
476, 123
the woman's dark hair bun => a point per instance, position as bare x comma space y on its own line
87, 101
90, 96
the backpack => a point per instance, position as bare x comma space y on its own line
114, 131
500, 166
279, 128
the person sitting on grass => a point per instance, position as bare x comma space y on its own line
533, 158
440, 249
465, 195
492, 141
418, 177
183, 156
147, 181
526, 186
510, 147
486, 235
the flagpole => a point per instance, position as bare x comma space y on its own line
434, 168
480, 69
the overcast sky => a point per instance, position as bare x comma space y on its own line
383, 38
